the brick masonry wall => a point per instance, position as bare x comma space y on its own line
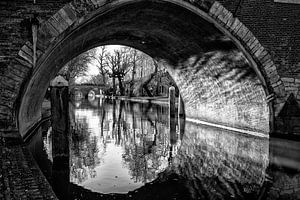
20, 177
222, 88
232, 157
275, 25
15, 31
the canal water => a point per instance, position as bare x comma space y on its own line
125, 150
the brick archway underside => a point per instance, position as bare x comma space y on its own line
212, 56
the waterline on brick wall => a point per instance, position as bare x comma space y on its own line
253, 133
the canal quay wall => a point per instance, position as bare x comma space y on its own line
191, 117
20, 176
154, 100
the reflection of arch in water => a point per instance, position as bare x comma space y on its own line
101, 93
94, 102
78, 94
91, 95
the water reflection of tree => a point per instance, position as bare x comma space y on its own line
143, 156
84, 153
144, 140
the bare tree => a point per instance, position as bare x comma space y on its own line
134, 58
118, 66
98, 54
76, 67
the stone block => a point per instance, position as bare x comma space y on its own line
262, 55
274, 78
223, 15
235, 24
25, 56
95, 3
91, 3
271, 73
70, 12
27, 50
228, 17
268, 64
46, 35
291, 89
248, 36
24, 63
266, 58
270, 69
59, 27
101, 2
252, 40
219, 11
64, 15
48, 29
214, 8
242, 32
286, 79
237, 28
61, 19
287, 84
280, 92
254, 46
276, 84
230, 22
259, 51
29, 44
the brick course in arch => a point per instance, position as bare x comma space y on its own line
74, 13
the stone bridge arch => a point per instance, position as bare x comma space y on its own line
85, 89
80, 26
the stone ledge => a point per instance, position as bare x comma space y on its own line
20, 176
287, 1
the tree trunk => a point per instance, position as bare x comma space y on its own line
114, 85
132, 80
121, 86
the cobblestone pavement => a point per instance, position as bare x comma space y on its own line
20, 177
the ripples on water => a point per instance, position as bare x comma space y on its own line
122, 150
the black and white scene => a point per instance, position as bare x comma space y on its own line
150, 99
